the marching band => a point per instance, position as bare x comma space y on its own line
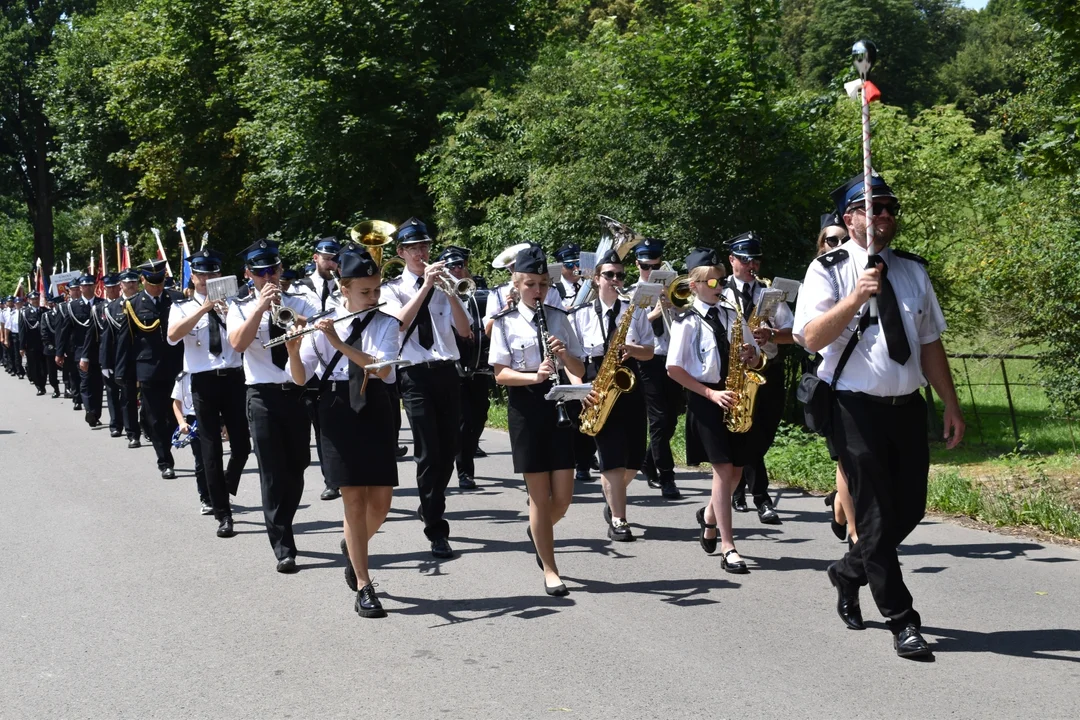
593, 369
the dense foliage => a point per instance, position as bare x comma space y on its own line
503, 121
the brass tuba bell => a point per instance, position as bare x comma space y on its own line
374, 235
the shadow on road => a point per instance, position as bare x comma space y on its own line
983, 551
682, 593
1036, 644
457, 611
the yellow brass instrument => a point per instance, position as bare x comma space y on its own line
374, 236
465, 287
741, 379
612, 379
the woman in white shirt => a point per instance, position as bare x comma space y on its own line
356, 412
698, 360
543, 451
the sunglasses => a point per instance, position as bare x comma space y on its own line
612, 275
455, 265
649, 266
892, 207
264, 272
571, 263
835, 241
712, 283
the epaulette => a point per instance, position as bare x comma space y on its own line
833, 258
393, 281
556, 308
680, 315
247, 298
911, 256
579, 308
504, 312
500, 286
286, 293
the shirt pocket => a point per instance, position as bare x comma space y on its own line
523, 353
913, 312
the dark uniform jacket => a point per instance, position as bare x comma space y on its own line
30, 328
148, 352
50, 326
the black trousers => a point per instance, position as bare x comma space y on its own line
768, 409
663, 403
433, 403
157, 403
886, 458
129, 405
35, 366
196, 451
91, 384
311, 407
73, 378
49, 359
112, 399
14, 356
475, 401
218, 398
282, 435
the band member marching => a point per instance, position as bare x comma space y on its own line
50, 321
698, 359
124, 374
217, 384
744, 288
356, 411
621, 441
528, 344
279, 423
429, 386
569, 282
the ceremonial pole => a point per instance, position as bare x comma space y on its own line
863, 55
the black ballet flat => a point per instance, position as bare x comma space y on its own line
539, 562
557, 591
707, 544
736, 568
840, 531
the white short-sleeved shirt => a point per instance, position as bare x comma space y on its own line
496, 300
590, 330
693, 345
662, 340
870, 369
397, 293
259, 366
783, 319
381, 340
13, 320
182, 392
3, 317
568, 290
515, 342
314, 297
197, 355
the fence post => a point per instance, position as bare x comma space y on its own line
974, 407
1008, 396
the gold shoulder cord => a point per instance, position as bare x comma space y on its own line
138, 323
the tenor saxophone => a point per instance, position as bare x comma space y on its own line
611, 381
741, 380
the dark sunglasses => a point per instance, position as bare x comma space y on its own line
455, 265
264, 272
570, 263
612, 275
649, 266
891, 206
835, 241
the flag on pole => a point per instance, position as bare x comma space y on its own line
185, 264
119, 254
126, 264
68, 268
40, 284
103, 267
161, 251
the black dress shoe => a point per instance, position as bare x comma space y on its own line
594, 463
225, 527
116, 433
539, 562
557, 590
95, 423
654, 482
77, 407
205, 508
367, 603
582, 476
168, 474
767, 515
739, 504
736, 567
330, 494
669, 491
839, 530
134, 443
287, 566
620, 532
441, 549
55, 394
350, 574
847, 603
67, 395
465, 482
478, 453
909, 643
402, 451
40, 391
707, 544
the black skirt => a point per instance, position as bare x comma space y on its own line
707, 438
621, 442
359, 449
537, 443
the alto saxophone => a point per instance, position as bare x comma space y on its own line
741, 380
612, 380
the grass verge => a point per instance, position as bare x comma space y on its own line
1020, 494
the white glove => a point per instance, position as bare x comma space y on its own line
106, 373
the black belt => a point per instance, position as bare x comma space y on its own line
220, 372
879, 399
429, 364
284, 387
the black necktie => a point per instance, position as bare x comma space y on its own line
425, 333
892, 324
611, 315
747, 299
325, 293
722, 343
357, 374
279, 354
215, 333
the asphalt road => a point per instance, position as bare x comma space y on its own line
118, 601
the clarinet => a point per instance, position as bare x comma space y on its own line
563, 418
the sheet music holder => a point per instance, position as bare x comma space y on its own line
770, 300
569, 392
790, 288
221, 288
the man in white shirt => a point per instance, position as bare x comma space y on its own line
878, 419
217, 383
569, 282
279, 423
430, 387
744, 289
